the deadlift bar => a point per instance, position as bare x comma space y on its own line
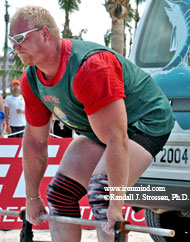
121, 227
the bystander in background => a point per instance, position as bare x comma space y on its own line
2, 124
14, 111
1, 103
2, 118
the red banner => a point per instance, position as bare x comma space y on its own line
12, 187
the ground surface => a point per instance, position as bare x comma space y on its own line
88, 236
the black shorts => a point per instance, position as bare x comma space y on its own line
153, 144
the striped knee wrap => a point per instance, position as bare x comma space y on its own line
96, 193
63, 195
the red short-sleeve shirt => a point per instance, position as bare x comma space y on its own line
97, 83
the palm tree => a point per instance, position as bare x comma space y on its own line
12, 67
68, 6
15, 69
137, 17
127, 23
79, 36
5, 58
118, 10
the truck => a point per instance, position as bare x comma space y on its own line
161, 48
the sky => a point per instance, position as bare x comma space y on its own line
91, 16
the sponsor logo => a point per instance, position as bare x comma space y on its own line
51, 99
62, 116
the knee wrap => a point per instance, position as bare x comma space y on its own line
96, 196
63, 195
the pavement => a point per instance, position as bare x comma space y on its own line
87, 236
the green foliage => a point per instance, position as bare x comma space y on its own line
107, 38
139, 1
69, 5
17, 66
79, 36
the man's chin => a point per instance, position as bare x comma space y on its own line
26, 62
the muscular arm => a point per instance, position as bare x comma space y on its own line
35, 157
7, 120
110, 125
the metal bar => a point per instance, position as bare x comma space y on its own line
9, 213
129, 227
18, 132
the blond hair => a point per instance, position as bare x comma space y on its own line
37, 17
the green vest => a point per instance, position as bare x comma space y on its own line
147, 107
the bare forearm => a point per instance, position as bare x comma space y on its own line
117, 168
3, 129
35, 156
8, 126
34, 165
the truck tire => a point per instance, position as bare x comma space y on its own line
169, 220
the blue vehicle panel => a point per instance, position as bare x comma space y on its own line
161, 48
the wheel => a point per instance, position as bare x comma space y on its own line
169, 220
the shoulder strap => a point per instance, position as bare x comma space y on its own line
90, 53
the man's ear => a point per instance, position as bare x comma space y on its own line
46, 33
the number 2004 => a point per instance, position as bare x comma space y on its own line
173, 155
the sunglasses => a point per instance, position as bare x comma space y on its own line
19, 38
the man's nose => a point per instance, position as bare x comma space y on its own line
15, 45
